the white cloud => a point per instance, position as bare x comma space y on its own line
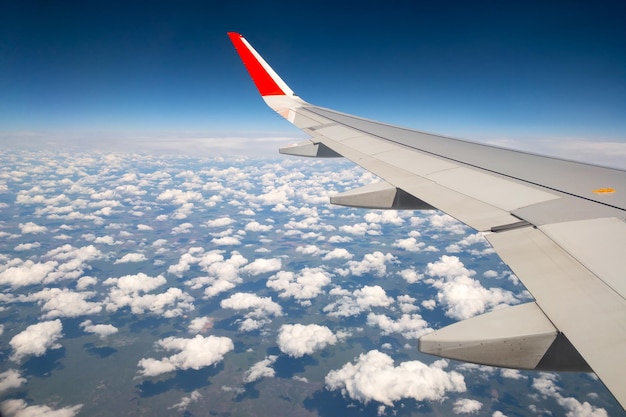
339, 239
200, 324
102, 330
375, 378
410, 275
258, 227
226, 241
36, 339
471, 240
195, 353
297, 340
84, 282
179, 197
223, 275
260, 309
20, 273
463, 296
304, 286
220, 222
358, 301
10, 379
182, 228
338, 253
466, 406
359, 229
384, 216
131, 257
371, 263
545, 384
56, 302
411, 326
130, 291
309, 250
195, 396
447, 223
262, 266
511, 373
448, 267
412, 245
26, 246
72, 261
33, 228
261, 369
19, 408
107, 240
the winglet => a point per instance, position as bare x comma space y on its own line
264, 77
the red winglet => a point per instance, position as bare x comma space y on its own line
262, 79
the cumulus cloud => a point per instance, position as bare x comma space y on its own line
195, 396
31, 227
466, 406
223, 274
226, 241
384, 216
36, 339
375, 378
71, 261
412, 245
133, 291
219, 222
18, 273
102, 330
131, 257
338, 253
545, 384
306, 285
179, 197
200, 324
411, 326
19, 408
447, 223
10, 379
262, 266
195, 353
360, 229
258, 227
410, 275
358, 301
261, 369
26, 246
260, 309
297, 340
372, 263
463, 296
56, 302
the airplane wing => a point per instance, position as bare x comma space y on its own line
558, 224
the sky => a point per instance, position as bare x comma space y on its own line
551, 74
158, 257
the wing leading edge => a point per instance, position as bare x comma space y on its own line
559, 225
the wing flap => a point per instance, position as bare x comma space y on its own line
589, 312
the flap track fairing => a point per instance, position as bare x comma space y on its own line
380, 195
519, 337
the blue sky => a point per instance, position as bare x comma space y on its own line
489, 70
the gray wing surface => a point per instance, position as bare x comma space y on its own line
559, 225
